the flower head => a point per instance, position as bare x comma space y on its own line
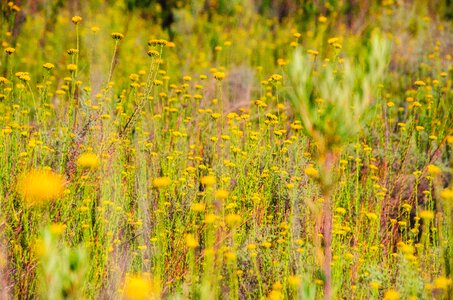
208, 180
10, 50
76, 19
117, 36
88, 161
310, 171
191, 242
39, 186
391, 294
219, 75
434, 170
161, 182
139, 287
71, 67
48, 66
221, 194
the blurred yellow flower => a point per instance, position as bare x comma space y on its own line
139, 287
117, 36
310, 171
275, 295
48, 66
233, 219
57, 228
161, 182
39, 186
371, 216
442, 282
391, 294
294, 280
191, 242
71, 67
219, 75
208, 180
434, 170
76, 19
88, 160
322, 19
10, 50
221, 194
426, 214
198, 207
447, 194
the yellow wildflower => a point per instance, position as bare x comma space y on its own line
442, 282
391, 294
208, 180
191, 242
76, 19
39, 186
434, 170
117, 36
140, 288
161, 182
310, 171
88, 160
221, 194
426, 214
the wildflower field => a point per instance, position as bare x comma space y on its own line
226, 149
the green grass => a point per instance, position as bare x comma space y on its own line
308, 141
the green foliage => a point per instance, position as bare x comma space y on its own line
294, 109
332, 99
63, 270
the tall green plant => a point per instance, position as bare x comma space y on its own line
331, 101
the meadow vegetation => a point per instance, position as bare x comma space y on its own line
226, 149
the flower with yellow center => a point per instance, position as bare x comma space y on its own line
48, 66
88, 161
210, 218
24, 76
10, 50
427, 214
294, 281
76, 19
233, 219
208, 180
221, 194
275, 295
447, 194
198, 207
313, 52
153, 53
391, 294
442, 283
434, 170
322, 19
40, 186
140, 288
191, 242
71, 67
371, 216
310, 171
219, 75
161, 182
117, 36
57, 228
155, 42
